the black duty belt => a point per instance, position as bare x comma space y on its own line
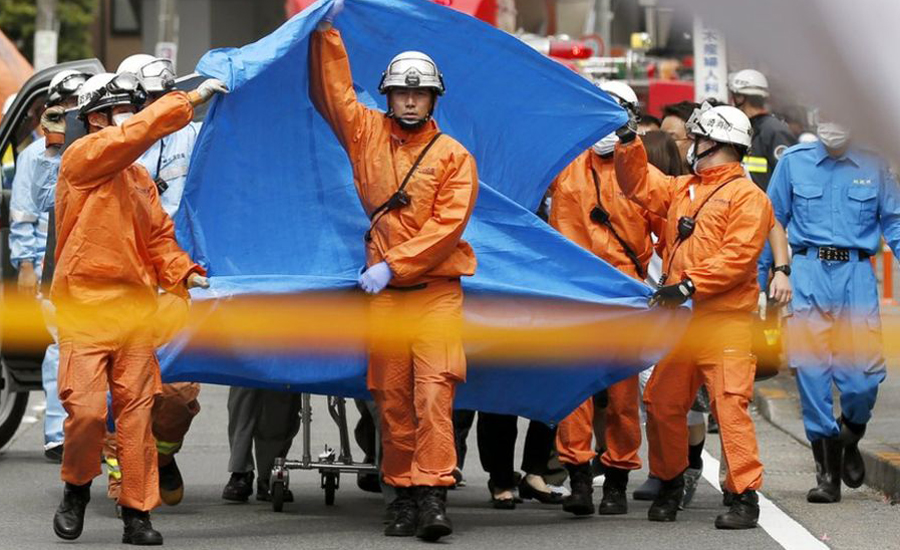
420, 286
833, 253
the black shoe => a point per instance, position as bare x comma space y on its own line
263, 494
433, 522
171, 485
854, 470
54, 454
665, 505
614, 501
403, 513
712, 426
239, 487
527, 492
68, 522
370, 483
743, 514
727, 498
648, 489
138, 530
581, 501
501, 503
828, 454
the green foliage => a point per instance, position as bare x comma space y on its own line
17, 21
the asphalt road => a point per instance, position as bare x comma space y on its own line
30, 490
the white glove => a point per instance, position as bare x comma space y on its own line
336, 7
374, 279
195, 280
761, 305
210, 87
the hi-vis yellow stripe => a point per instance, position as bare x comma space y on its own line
112, 467
166, 447
756, 165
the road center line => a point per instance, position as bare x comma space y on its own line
780, 526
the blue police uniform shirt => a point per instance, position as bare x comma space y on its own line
169, 159
28, 222
847, 202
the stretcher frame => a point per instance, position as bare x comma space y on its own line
330, 464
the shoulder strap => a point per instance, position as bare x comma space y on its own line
387, 205
608, 224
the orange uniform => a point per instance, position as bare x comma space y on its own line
116, 248
575, 195
720, 259
412, 382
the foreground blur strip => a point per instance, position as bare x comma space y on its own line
780, 526
501, 329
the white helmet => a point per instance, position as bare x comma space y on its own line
107, 90
156, 73
8, 103
412, 70
65, 84
749, 82
722, 124
621, 92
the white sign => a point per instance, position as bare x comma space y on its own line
45, 44
168, 50
710, 64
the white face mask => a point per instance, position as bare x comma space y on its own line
833, 136
691, 156
606, 146
119, 118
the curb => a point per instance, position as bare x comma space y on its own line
781, 407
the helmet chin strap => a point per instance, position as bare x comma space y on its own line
700, 156
406, 125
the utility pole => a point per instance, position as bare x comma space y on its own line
167, 38
46, 35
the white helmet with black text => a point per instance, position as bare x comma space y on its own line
107, 90
156, 73
723, 124
749, 82
65, 84
412, 69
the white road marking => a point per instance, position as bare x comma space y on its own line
40, 407
29, 419
780, 526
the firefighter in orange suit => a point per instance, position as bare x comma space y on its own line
418, 187
717, 222
589, 208
116, 249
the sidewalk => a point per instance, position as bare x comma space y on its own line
779, 403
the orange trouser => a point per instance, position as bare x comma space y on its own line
714, 351
623, 430
130, 369
413, 381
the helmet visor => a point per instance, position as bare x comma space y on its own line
158, 68
70, 84
402, 66
125, 83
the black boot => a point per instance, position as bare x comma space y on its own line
138, 530
854, 470
743, 514
171, 485
828, 456
665, 505
614, 501
433, 522
402, 511
239, 487
68, 522
581, 501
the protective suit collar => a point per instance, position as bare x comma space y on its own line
719, 174
422, 135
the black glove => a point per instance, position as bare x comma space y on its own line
673, 295
628, 132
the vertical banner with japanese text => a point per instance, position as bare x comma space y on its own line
710, 64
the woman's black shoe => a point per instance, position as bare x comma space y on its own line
527, 491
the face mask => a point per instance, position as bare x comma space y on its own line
691, 157
606, 146
833, 136
120, 118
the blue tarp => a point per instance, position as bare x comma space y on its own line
269, 205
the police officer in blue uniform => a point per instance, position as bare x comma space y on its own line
836, 200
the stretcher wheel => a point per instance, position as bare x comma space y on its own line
330, 484
278, 496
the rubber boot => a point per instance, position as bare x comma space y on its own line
665, 505
581, 501
432, 522
614, 501
648, 489
854, 470
171, 485
828, 456
138, 530
744, 512
68, 522
403, 513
